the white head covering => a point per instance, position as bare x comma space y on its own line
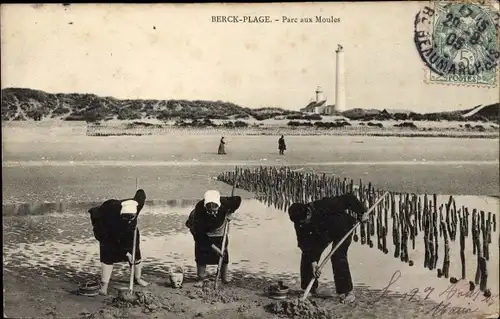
129, 207
212, 196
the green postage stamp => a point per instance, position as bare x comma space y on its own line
459, 43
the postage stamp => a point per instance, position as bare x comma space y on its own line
458, 43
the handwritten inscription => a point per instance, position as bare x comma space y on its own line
452, 291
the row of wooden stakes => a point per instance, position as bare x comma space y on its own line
410, 215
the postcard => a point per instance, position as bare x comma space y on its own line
251, 160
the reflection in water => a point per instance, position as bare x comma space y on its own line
262, 241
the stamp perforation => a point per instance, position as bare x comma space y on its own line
458, 84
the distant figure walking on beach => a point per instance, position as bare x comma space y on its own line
319, 224
222, 147
281, 145
114, 224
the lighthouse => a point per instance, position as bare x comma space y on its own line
339, 80
319, 94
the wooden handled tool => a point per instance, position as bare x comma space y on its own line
226, 230
323, 263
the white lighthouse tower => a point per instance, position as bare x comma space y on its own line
339, 80
319, 94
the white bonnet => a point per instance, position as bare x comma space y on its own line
212, 196
129, 207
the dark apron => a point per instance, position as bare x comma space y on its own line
116, 251
205, 255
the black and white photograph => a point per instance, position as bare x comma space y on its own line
314, 160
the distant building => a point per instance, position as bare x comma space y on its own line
393, 112
319, 106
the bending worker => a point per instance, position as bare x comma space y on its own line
319, 224
114, 223
206, 223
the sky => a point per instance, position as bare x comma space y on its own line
175, 51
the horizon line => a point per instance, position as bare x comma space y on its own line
255, 108
261, 162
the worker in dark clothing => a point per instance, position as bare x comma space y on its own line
222, 147
114, 223
319, 224
206, 223
281, 145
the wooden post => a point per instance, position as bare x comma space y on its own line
465, 213
473, 232
362, 231
435, 233
462, 246
406, 227
476, 241
384, 228
484, 231
419, 210
360, 191
488, 226
371, 224
431, 240
379, 229
396, 235
454, 218
484, 274
446, 260
425, 225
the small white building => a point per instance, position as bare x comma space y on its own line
319, 106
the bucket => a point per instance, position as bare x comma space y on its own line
278, 291
90, 288
176, 278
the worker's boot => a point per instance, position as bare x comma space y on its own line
347, 298
106, 271
202, 275
138, 275
224, 274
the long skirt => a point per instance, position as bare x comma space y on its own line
205, 255
116, 251
222, 149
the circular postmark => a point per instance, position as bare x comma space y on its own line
459, 40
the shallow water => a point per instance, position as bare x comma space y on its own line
96, 183
55, 240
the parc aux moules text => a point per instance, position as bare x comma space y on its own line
269, 19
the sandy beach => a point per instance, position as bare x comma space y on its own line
53, 177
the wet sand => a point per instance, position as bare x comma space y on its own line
54, 164
69, 144
96, 183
